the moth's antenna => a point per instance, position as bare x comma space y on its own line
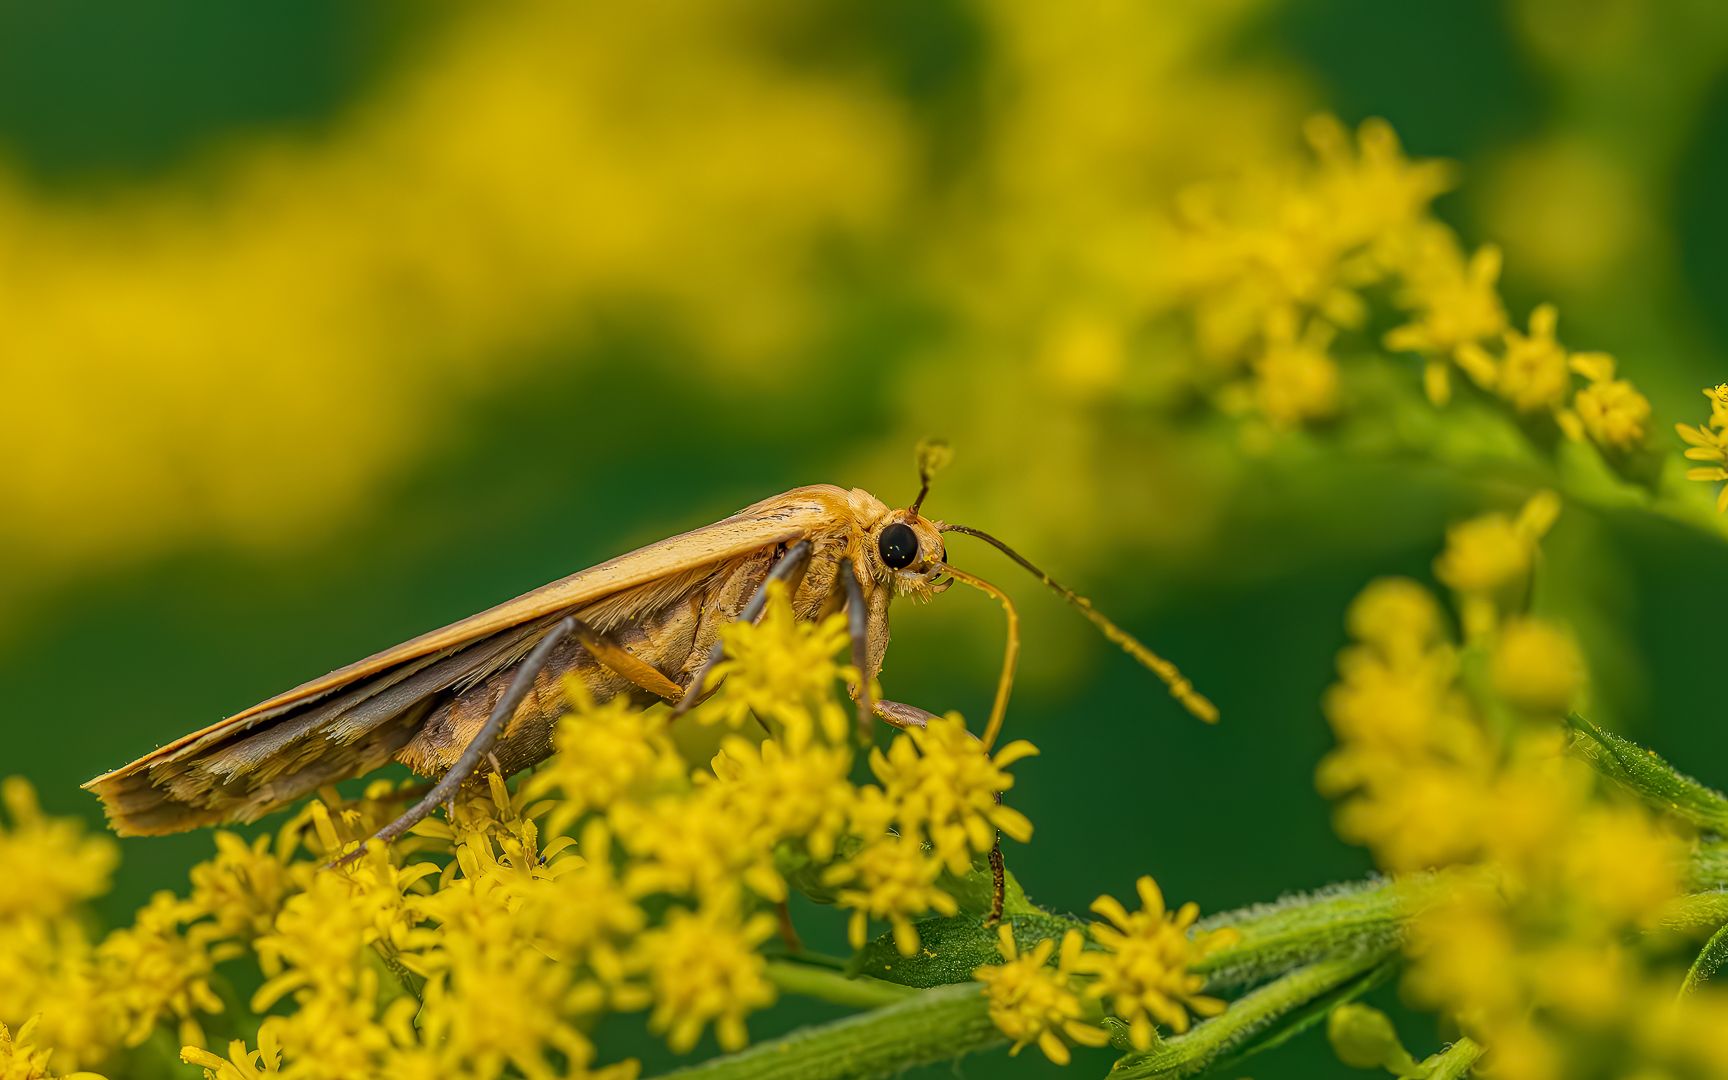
933, 455
1005, 684
1180, 688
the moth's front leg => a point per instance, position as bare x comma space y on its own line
869, 625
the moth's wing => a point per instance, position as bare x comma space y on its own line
271, 753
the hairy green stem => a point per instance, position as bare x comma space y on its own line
1215, 1039
923, 1026
1710, 958
1278, 937
863, 991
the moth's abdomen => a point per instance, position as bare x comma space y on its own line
662, 639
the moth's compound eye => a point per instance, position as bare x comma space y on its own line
898, 545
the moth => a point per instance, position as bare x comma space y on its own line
485, 692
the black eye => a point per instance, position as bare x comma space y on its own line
898, 545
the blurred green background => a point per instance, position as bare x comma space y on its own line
325, 324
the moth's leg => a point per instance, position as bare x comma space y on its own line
792, 562
858, 625
480, 746
626, 664
998, 877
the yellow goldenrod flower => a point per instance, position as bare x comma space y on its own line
1612, 411
1398, 617
1456, 300
1278, 251
1416, 817
1376, 191
774, 796
1464, 955
48, 970
1410, 752
1143, 969
1622, 862
1536, 665
50, 864
497, 1003
1492, 552
945, 786
702, 966
1709, 442
782, 669
1534, 373
20, 1060
1586, 983
239, 1065
689, 846
893, 879
1033, 1002
604, 752
333, 1032
319, 936
153, 971
586, 913
242, 888
1297, 381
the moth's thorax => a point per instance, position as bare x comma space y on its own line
872, 517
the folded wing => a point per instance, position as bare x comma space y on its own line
356, 718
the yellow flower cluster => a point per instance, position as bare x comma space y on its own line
1435, 767
1709, 442
1141, 965
1143, 968
1488, 559
1275, 266
20, 1060
479, 945
82, 1000
1031, 1001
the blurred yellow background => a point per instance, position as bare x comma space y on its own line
322, 324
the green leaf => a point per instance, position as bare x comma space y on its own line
951, 949
1655, 781
1709, 959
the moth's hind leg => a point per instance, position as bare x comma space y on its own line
480, 746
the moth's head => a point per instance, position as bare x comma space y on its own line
906, 550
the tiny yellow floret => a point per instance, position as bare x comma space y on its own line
1143, 969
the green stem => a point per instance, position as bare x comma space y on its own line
864, 992
1278, 937
1454, 1061
922, 1027
1212, 1040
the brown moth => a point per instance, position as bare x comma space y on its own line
645, 625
